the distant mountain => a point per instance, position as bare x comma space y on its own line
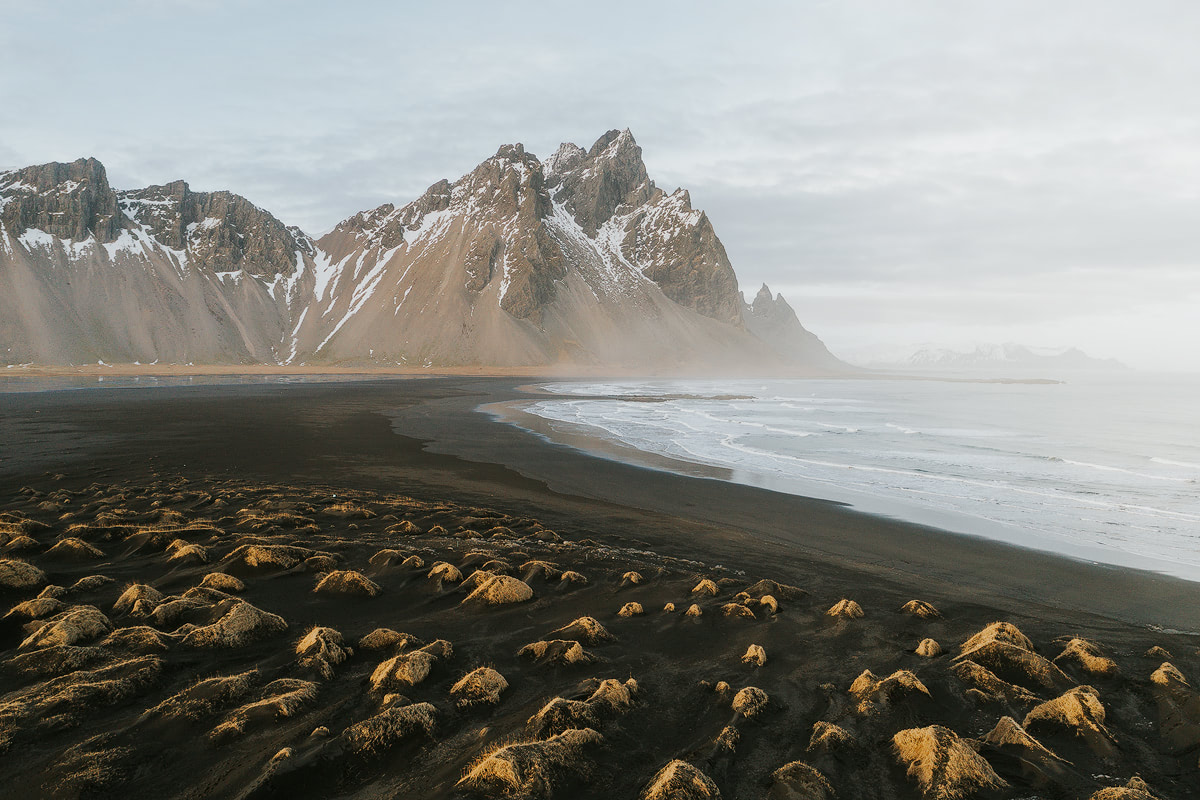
773, 321
577, 260
1002, 357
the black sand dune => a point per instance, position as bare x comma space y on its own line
264, 592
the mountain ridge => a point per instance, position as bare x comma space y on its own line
578, 259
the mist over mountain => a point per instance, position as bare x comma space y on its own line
579, 259
1000, 357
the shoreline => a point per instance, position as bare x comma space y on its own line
952, 523
438, 437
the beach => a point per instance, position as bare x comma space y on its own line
344, 465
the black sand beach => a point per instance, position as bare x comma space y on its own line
222, 459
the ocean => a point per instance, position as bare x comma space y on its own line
1103, 468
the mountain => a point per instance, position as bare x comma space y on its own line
773, 321
1002, 357
577, 260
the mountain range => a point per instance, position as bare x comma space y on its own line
575, 260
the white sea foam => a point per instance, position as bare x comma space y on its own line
1063, 467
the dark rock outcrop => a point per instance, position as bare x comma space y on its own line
70, 201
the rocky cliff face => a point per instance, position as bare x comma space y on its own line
580, 259
220, 231
607, 191
70, 201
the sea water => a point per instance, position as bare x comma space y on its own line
1104, 468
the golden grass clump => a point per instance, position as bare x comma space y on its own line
845, 609
269, 556
586, 630
446, 572
987, 687
755, 655
22, 544
610, 698
737, 610
1078, 711
139, 598
413, 562
205, 697
222, 582
727, 739
500, 590
1009, 738
544, 570
557, 651
138, 639
769, 603
631, 610
181, 551
72, 549
403, 528
50, 662
256, 519
37, 608
1008, 653
1158, 653
76, 624
347, 582
172, 609
919, 608
1134, 789
561, 714
679, 780
997, 632
348, 510
279, 699
389, 727
241, 624
1086, 656
409, 669
799, 781
750, 701
874, 693
571, 577
532, 770
483, 685
386, 557
91, 583
944, 766
383, 638
321, 649
705, 586
669, 608
631, 578
929, 648
694, 611
827, 737
776, 589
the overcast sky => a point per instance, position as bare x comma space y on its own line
903, 172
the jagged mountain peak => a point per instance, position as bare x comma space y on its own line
220, 231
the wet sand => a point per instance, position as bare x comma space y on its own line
416, 451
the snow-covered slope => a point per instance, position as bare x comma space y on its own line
580, 259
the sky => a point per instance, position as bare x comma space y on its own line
948, 173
